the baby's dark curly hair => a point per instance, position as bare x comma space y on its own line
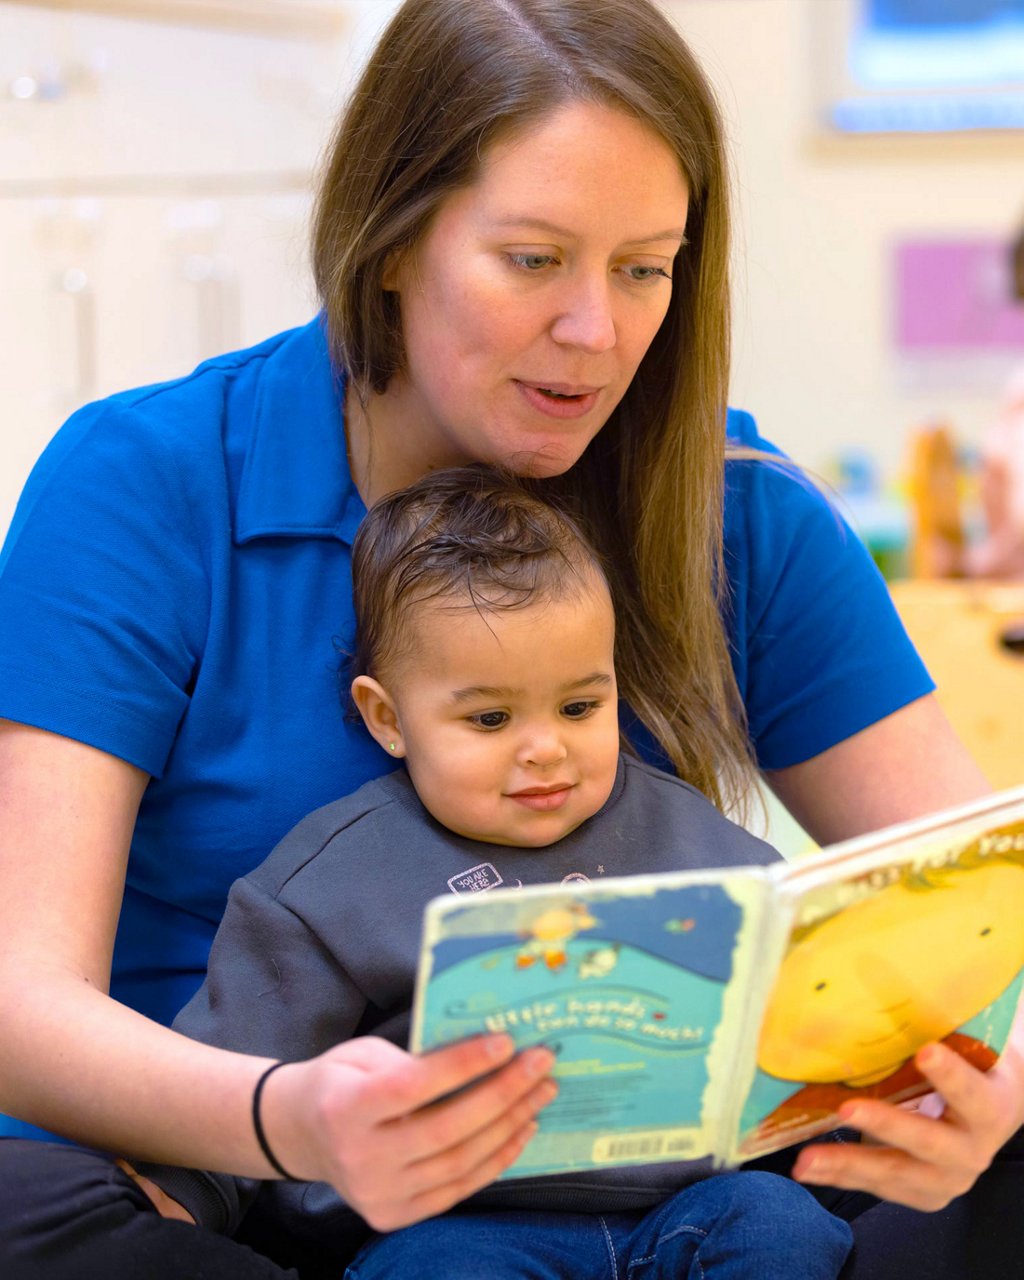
469, 537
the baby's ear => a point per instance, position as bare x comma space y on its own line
379, 714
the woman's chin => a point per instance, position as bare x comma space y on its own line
542, 464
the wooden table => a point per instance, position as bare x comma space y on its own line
956, 627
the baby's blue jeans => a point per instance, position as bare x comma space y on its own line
736, 1226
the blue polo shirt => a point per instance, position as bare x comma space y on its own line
175, 589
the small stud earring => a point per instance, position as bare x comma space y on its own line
391, 746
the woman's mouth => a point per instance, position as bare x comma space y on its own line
559, 400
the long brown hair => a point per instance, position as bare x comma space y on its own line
448, 78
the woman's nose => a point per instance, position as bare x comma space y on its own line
586, 319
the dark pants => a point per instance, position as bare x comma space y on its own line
71, 1214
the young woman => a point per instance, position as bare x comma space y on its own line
521, 246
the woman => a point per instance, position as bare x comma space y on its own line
521, 246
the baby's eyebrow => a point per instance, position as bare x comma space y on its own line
601, 678
474, 691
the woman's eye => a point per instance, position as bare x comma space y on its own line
578, 710
531, 261
645, 275
489, 719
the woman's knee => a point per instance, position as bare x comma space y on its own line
58, 1205
67, 1213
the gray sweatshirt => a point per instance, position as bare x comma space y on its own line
320, 943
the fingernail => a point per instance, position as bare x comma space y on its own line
500, 1047
850, 1114
538, 1062
545, 1093
928, 1056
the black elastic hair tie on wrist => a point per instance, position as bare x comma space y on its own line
257, 1123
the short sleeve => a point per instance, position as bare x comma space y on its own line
819, 650
104, 594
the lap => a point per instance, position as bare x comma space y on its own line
979, 1234
732, 1225
68, 1213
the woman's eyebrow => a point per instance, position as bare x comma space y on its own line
542, 224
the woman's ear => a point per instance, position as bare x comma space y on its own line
379, 714
393, 275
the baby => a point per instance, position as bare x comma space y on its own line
485, 665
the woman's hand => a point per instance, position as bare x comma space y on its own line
925, 1160
389, 1131
162, 1202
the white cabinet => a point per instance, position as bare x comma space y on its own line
155, 189
104, 293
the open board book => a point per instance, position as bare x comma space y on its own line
729, 1013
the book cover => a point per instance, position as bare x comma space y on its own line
730, 1013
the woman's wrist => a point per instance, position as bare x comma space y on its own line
258, 1126
276, 1124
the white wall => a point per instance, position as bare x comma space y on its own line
817, 218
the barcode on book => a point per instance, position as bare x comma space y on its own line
657, 1145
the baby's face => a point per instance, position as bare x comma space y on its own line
509, 721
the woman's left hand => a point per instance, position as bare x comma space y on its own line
161, 1201
922, 1160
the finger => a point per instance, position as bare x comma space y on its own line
409, 1083
962, 1086
454, 1120
161, 1201
923, 1137
457, 1161
971, 1105
884, 1172
438, 1199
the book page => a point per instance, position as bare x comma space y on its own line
636, 983
915, 942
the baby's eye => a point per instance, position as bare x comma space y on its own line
489, 719
531, 261
579, 710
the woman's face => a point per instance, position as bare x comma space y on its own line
532, 298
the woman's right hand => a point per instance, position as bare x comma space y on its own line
402, 1138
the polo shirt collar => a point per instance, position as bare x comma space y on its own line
295, 480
